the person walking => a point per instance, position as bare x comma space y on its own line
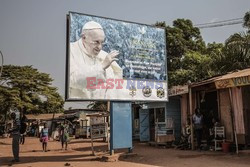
44, 137
23, 129
15, 132
64, 132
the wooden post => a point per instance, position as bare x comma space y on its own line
92, 145
233, 120
107, 135
191, 114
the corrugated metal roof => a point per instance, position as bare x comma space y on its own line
237, 74
42, 116
241, 73
208, 81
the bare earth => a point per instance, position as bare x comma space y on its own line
79, 154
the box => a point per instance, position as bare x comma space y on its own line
165, 138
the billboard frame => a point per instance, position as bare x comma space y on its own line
67, 77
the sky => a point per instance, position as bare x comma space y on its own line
33, 32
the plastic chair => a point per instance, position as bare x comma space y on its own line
219, 137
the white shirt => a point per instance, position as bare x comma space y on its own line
197, 119
82, 66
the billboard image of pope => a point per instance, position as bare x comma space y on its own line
115, 60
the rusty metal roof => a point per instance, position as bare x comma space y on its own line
237, 74
42, 116
204, 82
240, 73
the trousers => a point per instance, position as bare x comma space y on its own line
15, 146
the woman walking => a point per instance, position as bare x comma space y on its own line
65, 134
44, 137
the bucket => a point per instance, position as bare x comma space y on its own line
225, 147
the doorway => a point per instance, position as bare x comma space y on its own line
246, 111
148, 120
209, 110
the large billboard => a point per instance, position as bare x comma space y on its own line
115, 60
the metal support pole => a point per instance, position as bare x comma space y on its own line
111, 129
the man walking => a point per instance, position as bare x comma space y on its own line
15, 131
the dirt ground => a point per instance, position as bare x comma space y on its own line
79, 154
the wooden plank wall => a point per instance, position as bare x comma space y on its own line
225, 115
184, 109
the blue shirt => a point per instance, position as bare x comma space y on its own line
45, 132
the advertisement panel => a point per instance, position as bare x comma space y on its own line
115, 60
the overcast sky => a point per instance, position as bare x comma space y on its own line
33, 32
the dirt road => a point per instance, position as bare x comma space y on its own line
79, 154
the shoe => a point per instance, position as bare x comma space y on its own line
15, 160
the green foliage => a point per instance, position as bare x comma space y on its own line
194, 67
236, 54
98, 105
246, 23
29, 90
189, 59
181, 39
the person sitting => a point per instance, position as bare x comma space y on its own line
185, 142
216, 123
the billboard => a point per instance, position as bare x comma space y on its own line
109, 59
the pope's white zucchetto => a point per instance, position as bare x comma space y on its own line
91, 25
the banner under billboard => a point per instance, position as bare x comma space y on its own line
115, 60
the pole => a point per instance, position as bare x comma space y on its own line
110, 108
191, 113
51, 128
233, 120
92, 144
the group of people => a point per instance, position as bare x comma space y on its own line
200, 125
64, 135
18, 132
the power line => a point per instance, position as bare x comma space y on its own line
220, 23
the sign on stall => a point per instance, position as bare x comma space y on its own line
98, 131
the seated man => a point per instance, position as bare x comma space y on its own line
186, 136
212, 131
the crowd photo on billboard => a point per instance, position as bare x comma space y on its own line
115, 60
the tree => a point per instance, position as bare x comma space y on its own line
29, 90
181, 39
215, 52
246, 22
236, 54
194, 67
98, 105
